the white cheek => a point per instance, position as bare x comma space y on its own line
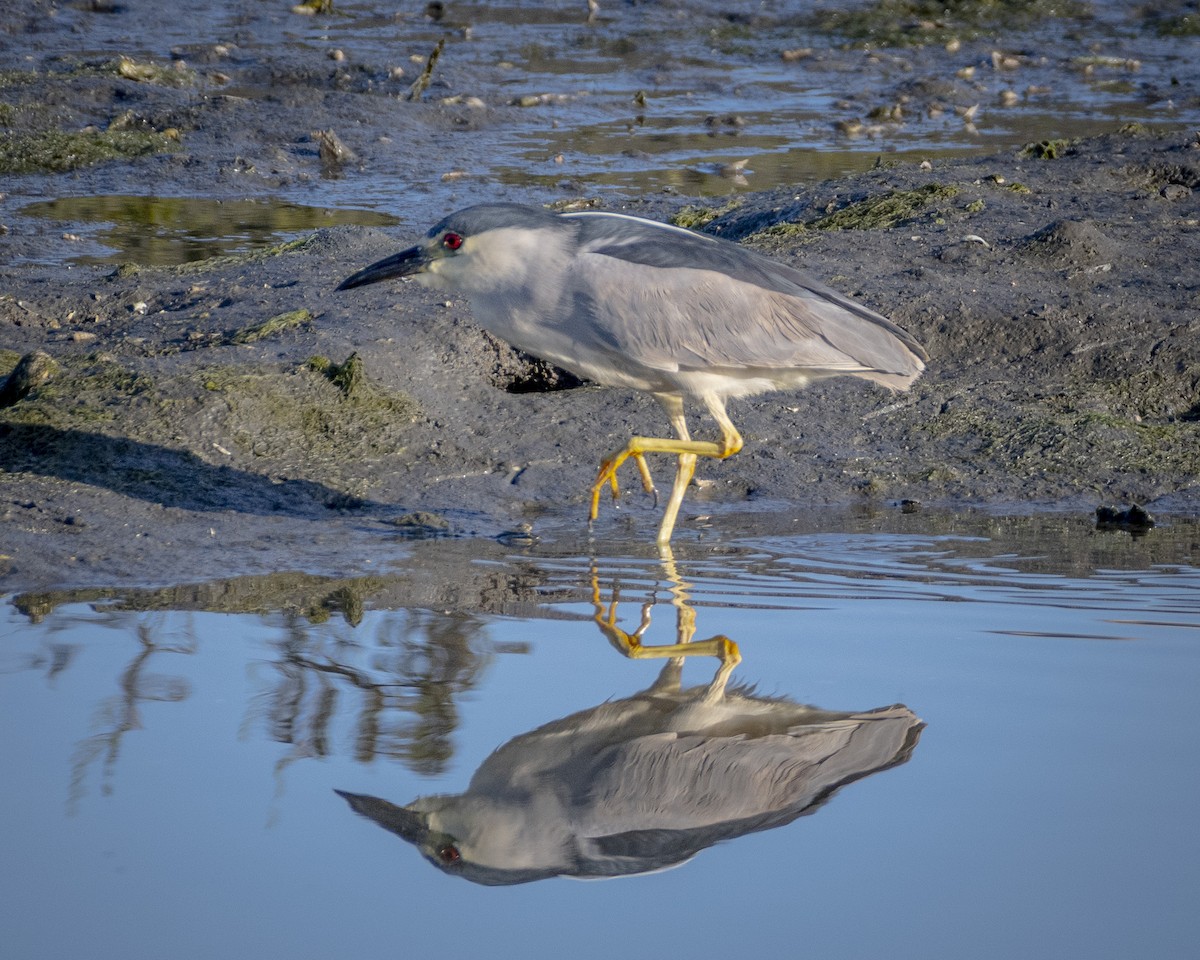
431, 277
455, 273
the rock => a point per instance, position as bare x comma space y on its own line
31, 371
1134, 518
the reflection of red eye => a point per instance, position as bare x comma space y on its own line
449, 854
452, 241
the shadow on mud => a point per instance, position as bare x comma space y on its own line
157, 474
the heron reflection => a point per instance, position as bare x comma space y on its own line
645, 782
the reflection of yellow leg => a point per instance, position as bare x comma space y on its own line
716, 689
630, 643
685, 448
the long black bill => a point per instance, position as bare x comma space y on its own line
412, 826
402, 264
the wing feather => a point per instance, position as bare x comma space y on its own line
675, 300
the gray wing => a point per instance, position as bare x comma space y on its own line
670, 782
670, 299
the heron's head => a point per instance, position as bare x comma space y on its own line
482, 839
480, 250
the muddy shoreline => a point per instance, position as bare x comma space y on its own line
207, 421
1064, 372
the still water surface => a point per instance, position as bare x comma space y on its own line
169, 772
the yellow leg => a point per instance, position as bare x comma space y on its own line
647, 484
647, 480
685, 448
683, 476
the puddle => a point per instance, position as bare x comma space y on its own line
611, 160
168, 231
934, 745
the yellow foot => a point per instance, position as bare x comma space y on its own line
686, 450
608, 477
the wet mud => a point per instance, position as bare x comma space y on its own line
230, 415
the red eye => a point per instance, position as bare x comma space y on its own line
449, 854
452, 241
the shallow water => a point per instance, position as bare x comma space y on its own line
167, 231
690, 99
169, 770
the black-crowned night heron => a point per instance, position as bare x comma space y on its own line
634, 303
645, 782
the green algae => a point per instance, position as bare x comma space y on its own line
1183, 25
271, 326
1045, 149
296, 419
697, 217
218, 262
279, 414
1048, 439
58, 152
906, 23
872, 213
38, 147
88, 391
8, 360
33, 370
